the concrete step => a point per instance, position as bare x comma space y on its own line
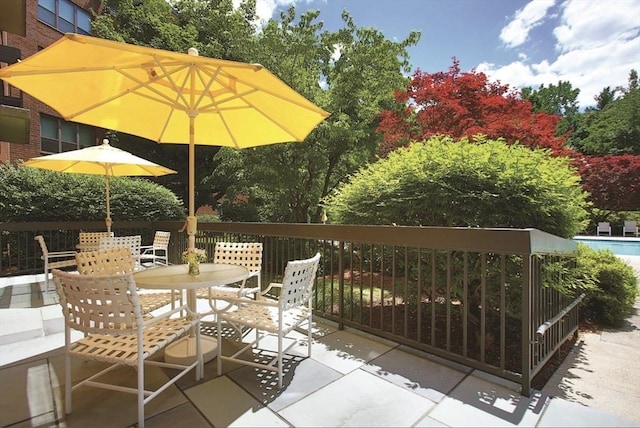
30, 323
20, 324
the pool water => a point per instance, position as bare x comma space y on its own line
619, 246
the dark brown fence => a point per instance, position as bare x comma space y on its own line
481, 297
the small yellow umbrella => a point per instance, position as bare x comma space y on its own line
165, 96
100, 160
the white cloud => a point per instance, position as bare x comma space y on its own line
265, 8
598, 43
524, 20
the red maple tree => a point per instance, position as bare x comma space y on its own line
463, 105
612, 180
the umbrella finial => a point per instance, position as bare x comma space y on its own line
105, 141
193, 52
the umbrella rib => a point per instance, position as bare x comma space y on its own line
301, 100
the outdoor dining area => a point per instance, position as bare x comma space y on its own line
274, 362
133, 314
224, 326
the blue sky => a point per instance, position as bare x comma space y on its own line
590, 43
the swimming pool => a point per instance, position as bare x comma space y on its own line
620, 246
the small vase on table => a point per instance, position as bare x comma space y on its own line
194, 267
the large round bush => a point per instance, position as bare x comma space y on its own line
613, 286
31, 194
485, 183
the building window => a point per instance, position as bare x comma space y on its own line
58, 135
64, 16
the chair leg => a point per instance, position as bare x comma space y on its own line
219, 332
67, 382
280, 368
309, 337
46, 276
140, 392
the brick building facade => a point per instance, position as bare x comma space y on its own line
44, 25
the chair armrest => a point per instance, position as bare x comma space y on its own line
169, 313
248, 301
62, 254
272, 285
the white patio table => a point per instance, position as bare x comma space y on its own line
177, 277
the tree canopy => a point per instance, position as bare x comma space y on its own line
463, 105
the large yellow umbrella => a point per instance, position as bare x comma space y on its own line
165, 96
100, 160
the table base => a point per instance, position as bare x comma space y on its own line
183, 351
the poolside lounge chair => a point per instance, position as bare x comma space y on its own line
630, 228
604, 228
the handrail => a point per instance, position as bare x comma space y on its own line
542, 328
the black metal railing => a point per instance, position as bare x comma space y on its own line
474, 296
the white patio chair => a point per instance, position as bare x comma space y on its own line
158, 251
604, 228
133, 242
107, 309
92, 239
630, 228
247, 254
274, 317
54, 259
114, 261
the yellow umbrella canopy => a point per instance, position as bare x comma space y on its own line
165, 96
100, 160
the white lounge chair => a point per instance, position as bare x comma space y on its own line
630, 228
604, 228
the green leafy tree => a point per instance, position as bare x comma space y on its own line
613, 130
560, 99
484, 183
603, 98
31, 194
359, 69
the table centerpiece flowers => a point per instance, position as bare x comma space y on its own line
193, 257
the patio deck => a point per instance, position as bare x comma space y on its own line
351, 379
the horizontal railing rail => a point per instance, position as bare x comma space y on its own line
474, 296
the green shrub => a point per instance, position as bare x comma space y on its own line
485, 183
615, 288
32, 194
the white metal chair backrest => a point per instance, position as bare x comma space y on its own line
297, 282
133, 242
108, 261
247, 254
93, 237
630, 226
105, 304
161, 239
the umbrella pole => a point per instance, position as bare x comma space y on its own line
192, 221
108, 219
